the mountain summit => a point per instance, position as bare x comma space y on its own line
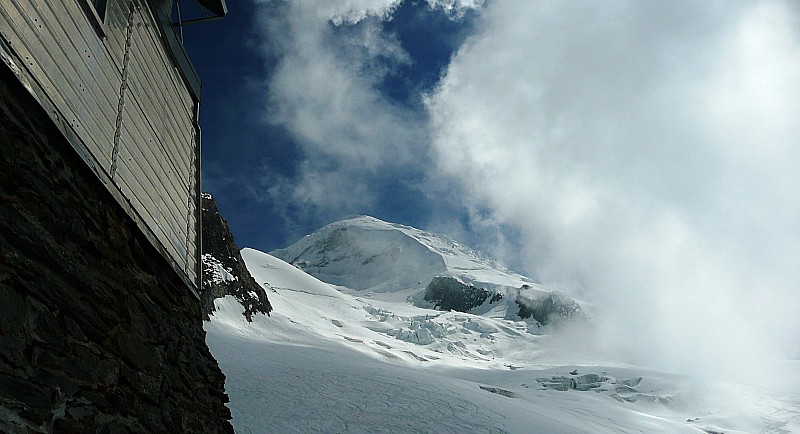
393, 262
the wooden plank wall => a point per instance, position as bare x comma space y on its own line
125, 99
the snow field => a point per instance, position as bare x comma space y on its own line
332, 362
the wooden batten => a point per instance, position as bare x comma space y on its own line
126, 98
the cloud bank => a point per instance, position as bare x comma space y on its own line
649, 155
645, 156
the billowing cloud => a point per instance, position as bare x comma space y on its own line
644, 155
456, 8
649, 156
332, 57
327, 89
345, 11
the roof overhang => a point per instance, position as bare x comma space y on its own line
216, 7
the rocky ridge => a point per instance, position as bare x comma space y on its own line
224, 270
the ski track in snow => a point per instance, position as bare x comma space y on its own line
330, 362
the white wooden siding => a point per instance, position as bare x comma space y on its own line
83, 75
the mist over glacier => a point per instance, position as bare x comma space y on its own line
643, 157
649, 156
355, 343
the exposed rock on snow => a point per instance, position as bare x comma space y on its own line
224, 270
447, 293
548, 309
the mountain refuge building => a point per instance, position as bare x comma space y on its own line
100, 221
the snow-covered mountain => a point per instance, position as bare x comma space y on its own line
393, 262
358, 356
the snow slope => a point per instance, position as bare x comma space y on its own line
327, 361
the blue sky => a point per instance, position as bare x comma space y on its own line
644, 156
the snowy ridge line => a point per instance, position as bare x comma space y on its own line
430, 239
361, 240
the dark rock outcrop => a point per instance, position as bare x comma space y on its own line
548, 309
224, 270
448, 293
97, 332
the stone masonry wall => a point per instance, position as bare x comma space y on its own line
97, 333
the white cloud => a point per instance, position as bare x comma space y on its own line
332, 57
315, 190
347, 11
649, 154
456, 8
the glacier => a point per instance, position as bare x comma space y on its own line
352, 346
